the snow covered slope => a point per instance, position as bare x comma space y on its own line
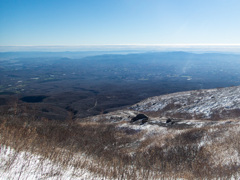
28, 166
220, 103
183, 144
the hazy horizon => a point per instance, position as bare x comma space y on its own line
229, 48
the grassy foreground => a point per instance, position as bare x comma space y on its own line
122, 153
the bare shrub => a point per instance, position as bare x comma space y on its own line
117, 152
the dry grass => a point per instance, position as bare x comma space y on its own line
115, 153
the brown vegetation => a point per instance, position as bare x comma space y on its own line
116, 153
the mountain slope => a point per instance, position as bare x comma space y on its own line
127, 144
215, 104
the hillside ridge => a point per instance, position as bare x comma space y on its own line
214, 104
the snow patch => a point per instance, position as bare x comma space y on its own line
25, 165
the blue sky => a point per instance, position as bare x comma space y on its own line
80, 22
